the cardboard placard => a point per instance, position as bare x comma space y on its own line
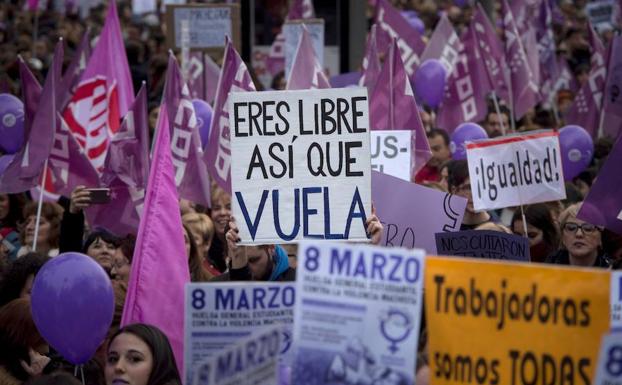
391, 153
483, 244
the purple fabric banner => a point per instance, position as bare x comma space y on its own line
347, 79
467, 87
444, 45
191, 175
612, 107
392, 106
412, 222
395, 26
234, 77
371, 61
307, 72
549, 69
603, 205
72, 75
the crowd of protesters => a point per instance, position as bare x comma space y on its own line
140, 354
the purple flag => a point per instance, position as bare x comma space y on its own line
190, 171
392, 106
491, 50
348, 79
414, 224
585, 110
105, 92
524, 89
234, 77
68, 164
444, 45
467, 87
72, 75
565, 78
307, 72
525, 16
371, 61
549, 69
202, 76
394, 26
612, 107
155, 293
603, 205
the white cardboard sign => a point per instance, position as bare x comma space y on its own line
390, 152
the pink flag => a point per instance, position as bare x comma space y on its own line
105, 92
234, 77
525, 16
202, 76
371, 62
467, 87
299, 10
126, 171
307, 72
444, 45
394, 26
190, 171
72, 75
612, 106
155, 293
393, 107
549, 68
585, 110
33, 5
524, 89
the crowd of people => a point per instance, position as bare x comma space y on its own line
141, 354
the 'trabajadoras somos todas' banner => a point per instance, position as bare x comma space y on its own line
516, 170
510, 323
300, 165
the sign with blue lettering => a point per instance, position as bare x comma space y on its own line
609, 367
483, 244
300, 165
253, 360
218, 314
615, 300
357, 314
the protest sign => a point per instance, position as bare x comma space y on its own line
292, 31
601, 14
208, 25
140, 7
390, 152
609, 369
251, 361
516, 170
483, 244
357, 314
300, 165
615, 300
512, 323
412, 214
218, 315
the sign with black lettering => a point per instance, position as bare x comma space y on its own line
497, 322
208, 25
357, 314
253, 360
483, 244
516, 170
300, 165
390, 152
601, 14
219, 314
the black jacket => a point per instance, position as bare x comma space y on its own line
561, 257
244, 274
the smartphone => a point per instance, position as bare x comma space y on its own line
99, 195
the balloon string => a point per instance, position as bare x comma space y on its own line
75, 371
82, 374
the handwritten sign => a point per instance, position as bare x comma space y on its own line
300, 165
390, 152
483, 244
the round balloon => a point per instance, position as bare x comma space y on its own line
413, 19
11, 123
4, 162
430, 82
462, 134
203, 112
577, 149
72, 305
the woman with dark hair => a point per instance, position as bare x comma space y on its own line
17, 282
542, 230
11, 206
21, 345
49, 228
459, 184
140, 354
101, 245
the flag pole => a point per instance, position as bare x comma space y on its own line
35, 29
38, 220
495, 101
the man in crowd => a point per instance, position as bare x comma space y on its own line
494, 125
439, 144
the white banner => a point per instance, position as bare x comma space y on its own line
300, 165
615, 300
609, 368
140, 7
515, 170
357, 314
390, 152
219, 314
251, 361
292, 31
208, 26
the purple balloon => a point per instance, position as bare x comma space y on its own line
577, 150
11, 123
413, 19
464, 133
4, 162
430, 82
203, 112
72, 305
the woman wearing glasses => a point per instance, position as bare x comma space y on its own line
581, 242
